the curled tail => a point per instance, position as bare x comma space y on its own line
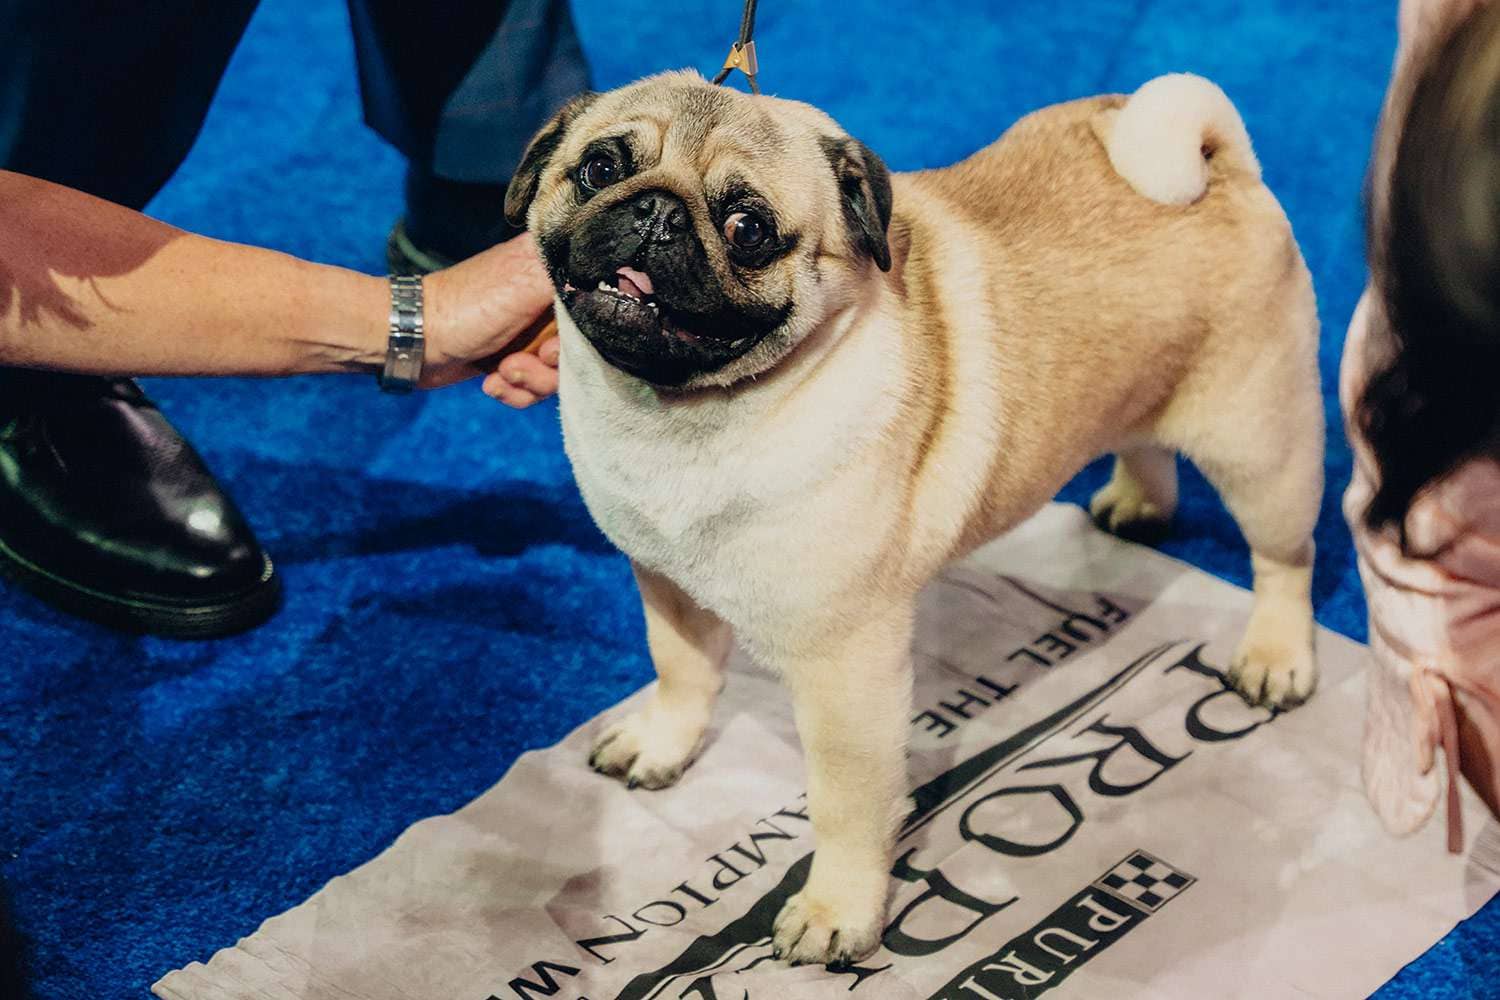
1171, 136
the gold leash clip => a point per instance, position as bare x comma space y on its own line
742, 55
742, 58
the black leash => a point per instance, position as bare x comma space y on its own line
742, 55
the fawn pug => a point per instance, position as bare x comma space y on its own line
794, 386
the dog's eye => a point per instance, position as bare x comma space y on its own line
746, 230
598, 172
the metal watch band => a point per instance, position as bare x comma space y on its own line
403, 354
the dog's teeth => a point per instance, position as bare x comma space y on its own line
604, 287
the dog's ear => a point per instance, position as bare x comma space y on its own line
523, 185
865, 190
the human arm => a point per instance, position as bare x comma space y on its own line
89, 286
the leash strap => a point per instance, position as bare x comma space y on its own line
742, 54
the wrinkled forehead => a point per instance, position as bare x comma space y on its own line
727, 138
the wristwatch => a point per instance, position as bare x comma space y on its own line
403, 353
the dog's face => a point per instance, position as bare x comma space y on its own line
695, 234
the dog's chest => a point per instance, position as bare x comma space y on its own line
665, 509
756, 519
687, 503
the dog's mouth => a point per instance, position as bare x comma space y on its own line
628, 298
639, 330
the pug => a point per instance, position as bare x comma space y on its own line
794, 385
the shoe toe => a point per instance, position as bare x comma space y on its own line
205, 553
107, 512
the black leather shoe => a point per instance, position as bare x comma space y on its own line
107, 513
446, 222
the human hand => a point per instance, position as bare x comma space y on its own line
480, 313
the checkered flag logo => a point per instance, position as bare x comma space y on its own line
1145, 882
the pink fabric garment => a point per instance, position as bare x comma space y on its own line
1434, 620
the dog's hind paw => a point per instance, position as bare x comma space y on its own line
1275, 665
1122, 509
647, 750
1274, 675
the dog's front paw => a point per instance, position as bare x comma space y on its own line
647, 750
1122, 508
828, 928
1274, 671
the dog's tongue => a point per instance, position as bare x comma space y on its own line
633, 283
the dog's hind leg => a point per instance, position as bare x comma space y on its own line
1276, 506
1256, 431
689, 647
1141, 496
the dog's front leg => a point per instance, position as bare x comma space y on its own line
689, 646
853, 708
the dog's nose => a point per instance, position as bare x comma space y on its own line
662, 212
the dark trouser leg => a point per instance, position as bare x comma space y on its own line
108, 98
460, 87
105, 511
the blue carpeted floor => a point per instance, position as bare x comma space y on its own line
449, 603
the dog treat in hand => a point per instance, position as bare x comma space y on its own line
541, 331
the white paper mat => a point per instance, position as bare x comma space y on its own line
1096, 815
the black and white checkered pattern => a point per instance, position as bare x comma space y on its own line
1145, 881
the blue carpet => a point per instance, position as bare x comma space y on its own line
449, 603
